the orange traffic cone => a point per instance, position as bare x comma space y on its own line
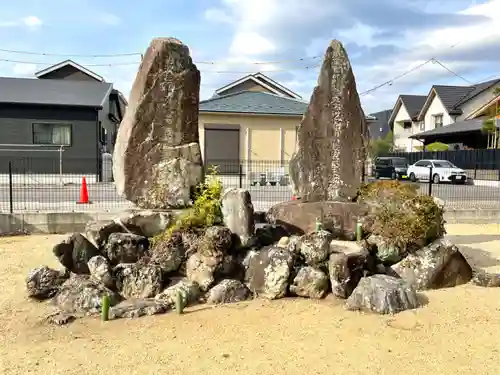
84, 193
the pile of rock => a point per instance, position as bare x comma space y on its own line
144, 269
232, 263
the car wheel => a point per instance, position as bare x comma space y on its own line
436, 179
412, 177
377, 176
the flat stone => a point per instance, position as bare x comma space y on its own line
157, 159
137, 307
331, 139
298, 217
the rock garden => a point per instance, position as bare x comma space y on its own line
190, 241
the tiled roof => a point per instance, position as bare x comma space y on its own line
451, 95
476, 90
455, 128
413, 103
254, 102
53, 92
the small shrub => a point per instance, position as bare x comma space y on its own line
401, 215
206, 210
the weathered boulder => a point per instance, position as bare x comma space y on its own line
387, 251
269, 234
147, 223
101, 271
228, 291
126, 248
44, 282
75, 252
168, 254
157, 159
283, 242
315, 247
83, 294
310, 282
439, 265
238, 214
329, 161
268, 272
383, 294
138, 280
98, 232
486, 279
347, 266
137, 307
201, 270
215, 242
340, 275
189, 290
298, 217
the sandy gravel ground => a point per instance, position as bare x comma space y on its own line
457, 332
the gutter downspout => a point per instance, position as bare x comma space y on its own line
98, 148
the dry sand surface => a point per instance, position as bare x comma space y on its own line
457, 332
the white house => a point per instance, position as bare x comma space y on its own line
404, 121
443, 106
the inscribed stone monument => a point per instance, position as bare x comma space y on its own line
329, 160
157, 157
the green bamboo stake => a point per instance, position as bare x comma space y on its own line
359, 231
318, 225
179, 303
105, 308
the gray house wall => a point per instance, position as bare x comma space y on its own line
16, 127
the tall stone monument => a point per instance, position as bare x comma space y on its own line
329, 160
157, 157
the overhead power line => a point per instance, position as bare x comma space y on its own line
140, 54
137, 63
451, 71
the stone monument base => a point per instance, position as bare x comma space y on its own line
300, 217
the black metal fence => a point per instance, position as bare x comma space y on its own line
485, 159
268, 181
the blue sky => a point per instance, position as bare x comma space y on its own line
384, 38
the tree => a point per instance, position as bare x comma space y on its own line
378, 147
489, 125
437, 146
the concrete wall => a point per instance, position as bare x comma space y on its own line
262, 138
69, 222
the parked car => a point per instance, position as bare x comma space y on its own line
391, 167
442, 171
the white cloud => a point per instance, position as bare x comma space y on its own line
109, 19
29, 21
32, 21
24, 70
266, 27
250, 44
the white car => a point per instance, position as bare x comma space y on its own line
442, 171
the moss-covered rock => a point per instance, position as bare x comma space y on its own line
400, 217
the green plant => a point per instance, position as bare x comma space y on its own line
382, 146
206, 210
437, 146
400, 215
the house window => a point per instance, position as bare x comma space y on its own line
51, 134
422, 125
407, 125
438, 121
